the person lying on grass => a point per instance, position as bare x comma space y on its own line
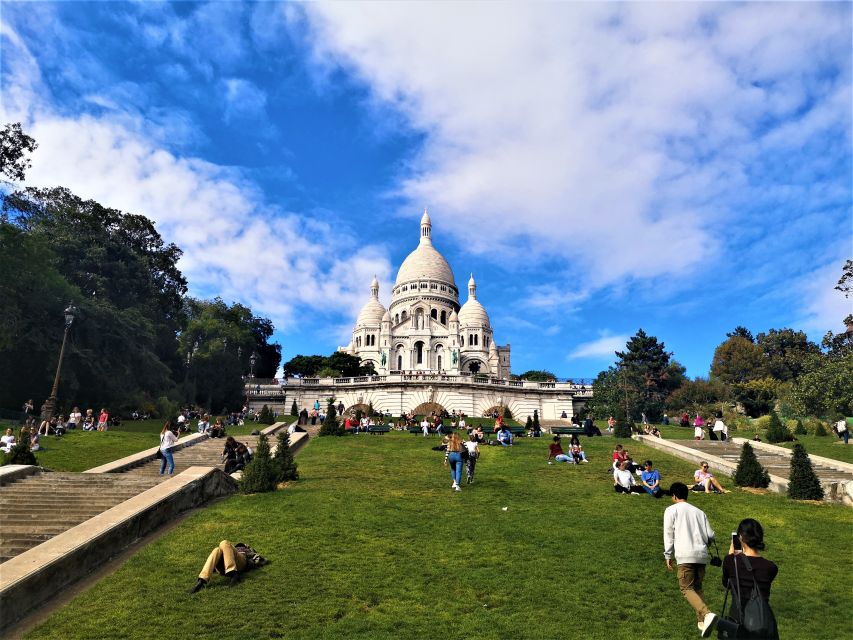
705, 481
230, 561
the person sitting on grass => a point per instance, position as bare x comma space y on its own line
103, 420
7, 441
650, 479
705, 481
623, 480
89, 421
218, 429
555, 450
505, 436
230, 561
35, 445
204, 424
576, 450
620, 455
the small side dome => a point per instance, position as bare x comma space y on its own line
371, 314
386, 317
454, 317
473, 314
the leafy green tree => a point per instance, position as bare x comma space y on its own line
803, 483
538, 376
738, 360
757, 396
336, 365
14, 145
268, 355
785, 352
331, 426
648, 375
698, 394
749, 472
609, 396
261, 474
825, 387
283, 459
623, 428
777, 431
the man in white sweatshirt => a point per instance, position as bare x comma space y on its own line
686, 535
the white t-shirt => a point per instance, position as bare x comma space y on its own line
624, 478
425, 424
167, 440
719, 425
462, 423
841, 426
182, 419
471, 446
698, 432
7, 442
75, 417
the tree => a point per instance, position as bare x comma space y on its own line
608, 394
266, 416
268, 355
749, 472
845, 282
284, 463
697, 395
738, 360
294, 410
776, 430
304, 366
803, 483
741, 332
800, 429
20, 453
785, 352
507, 414
14, 144
337, 365
757, 396
825, 387
648, 375
260, 475
536, 426
538, 376
331, 426
529, 424
623, 428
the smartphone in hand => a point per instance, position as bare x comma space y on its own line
736, 542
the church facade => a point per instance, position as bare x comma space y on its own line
425, 330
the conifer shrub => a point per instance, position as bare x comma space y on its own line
776, 430
800, 429
529, 424
285, 465
749, 472
331, 426
820, 430
260, 475
20, 453
623, 428
507, 414
803, 483
266, 416
294, 410
535, 425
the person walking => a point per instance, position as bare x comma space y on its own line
453, 455
686, 535
473, 453
167, 441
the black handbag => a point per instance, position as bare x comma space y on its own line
159, 454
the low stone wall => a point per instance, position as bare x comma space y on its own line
33, 577
12, 472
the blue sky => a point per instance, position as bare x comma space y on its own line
684, 168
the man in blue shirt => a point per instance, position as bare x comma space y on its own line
651, 480
505, 436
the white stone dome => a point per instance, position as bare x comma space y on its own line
371, 314
473, 314
425, 263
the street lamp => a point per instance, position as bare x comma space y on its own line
49, 405
252, 360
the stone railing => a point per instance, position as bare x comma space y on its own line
407, 377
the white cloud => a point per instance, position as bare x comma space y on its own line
615, 135
243, 99
235, 244
824, 307
603, 348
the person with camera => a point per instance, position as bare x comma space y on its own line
748, 575
686, 535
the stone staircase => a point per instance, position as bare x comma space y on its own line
41, 506
206, 453
777, 464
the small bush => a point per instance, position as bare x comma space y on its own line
749, 472
331, 426
20, 453
803, 482
285, 465
800, 428
776, 431
820, 430
761, 423
529, 424
266, 416
507, 414
260, 475
623, 428
536, 420
294, 410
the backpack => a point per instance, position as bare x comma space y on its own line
755, 618
254, 559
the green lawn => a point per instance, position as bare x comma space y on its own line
372, 543
80, 450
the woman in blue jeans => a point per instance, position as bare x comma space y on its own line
453, 455
167, 441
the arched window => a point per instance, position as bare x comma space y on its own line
419, 352
399, 363
434, 314
397, 319
444, 317
404, 316
439, 362
476, 340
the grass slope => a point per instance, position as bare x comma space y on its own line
372, 543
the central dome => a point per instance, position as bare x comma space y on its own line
425, 263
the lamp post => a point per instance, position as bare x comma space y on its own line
49, 406
252, 360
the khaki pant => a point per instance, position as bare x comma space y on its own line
690, 582
223, 559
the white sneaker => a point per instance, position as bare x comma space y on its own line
550, 463
457, 488
454, 485
707, 625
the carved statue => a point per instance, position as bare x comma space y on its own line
455, 356
383, 359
